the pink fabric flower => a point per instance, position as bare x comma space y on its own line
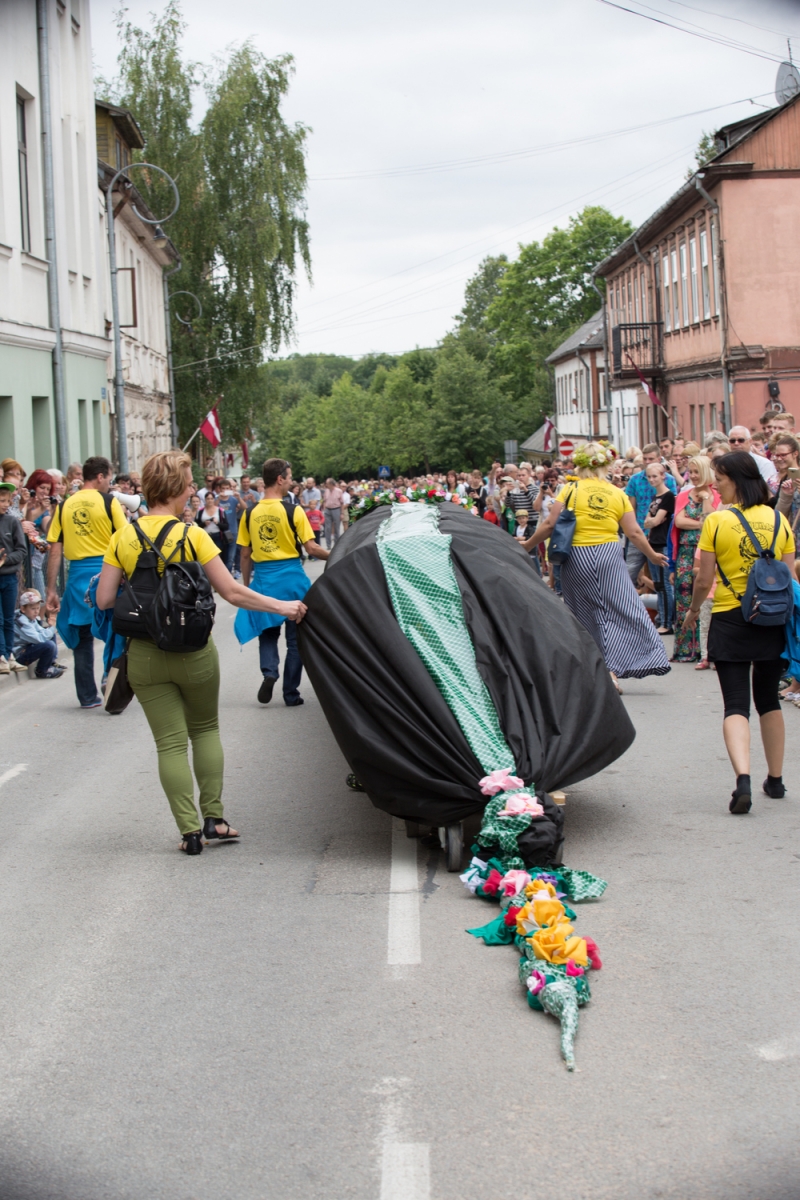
500, 781
593, 952
514, 881
573, 968
511, 916
491, 885
535, 982
520, 805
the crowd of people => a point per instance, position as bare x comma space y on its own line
653, 534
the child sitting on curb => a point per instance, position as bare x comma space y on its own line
34, 638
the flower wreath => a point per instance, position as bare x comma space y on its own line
598, 458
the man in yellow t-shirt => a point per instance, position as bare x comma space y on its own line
81, 529
271, 535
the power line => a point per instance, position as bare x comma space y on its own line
727, 17
708, 37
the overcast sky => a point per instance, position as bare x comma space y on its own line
399, 96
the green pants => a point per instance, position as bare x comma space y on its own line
180, 697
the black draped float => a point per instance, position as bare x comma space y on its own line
559, 711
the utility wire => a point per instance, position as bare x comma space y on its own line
708, 37
727, 17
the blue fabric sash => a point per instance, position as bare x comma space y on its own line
283, 579
74, 609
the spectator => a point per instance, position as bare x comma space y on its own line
35, 638
316, 520
786, 457
311, 496
74, 478
39, 511
59, 483
656, 525
477, 492
332, 506
739, 439
248, 496
14, 474
738, 647
209, 486
691, 509
667, 447
347, 500
597, 589
228, 501
782, 422
642, 495
13, 549
214, 521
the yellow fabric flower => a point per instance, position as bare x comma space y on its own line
538, 885
536, 913
555, 945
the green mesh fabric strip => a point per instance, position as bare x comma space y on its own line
415, 556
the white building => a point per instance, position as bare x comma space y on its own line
29, 316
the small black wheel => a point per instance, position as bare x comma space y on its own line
454, 845
413, 829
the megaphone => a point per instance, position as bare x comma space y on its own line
132, 503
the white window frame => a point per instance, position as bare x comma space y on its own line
684, 284
643, 290
676, 310
693, 270
665, 286
704, 274
714, 260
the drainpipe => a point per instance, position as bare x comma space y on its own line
173, 414
54, 310
605, 361
723, 307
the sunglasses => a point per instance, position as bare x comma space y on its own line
737, 441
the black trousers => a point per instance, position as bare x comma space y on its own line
734, 680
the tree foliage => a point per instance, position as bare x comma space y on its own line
241, 229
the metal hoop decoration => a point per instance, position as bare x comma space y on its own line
161, 171
178, 316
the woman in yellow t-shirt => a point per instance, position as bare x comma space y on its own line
594, 580
180, 692
733, 643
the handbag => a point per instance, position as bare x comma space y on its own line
563, 533
118, 693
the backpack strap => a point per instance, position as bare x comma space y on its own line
760, 551
161, 538
289, 508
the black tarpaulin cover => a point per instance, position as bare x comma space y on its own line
559, 711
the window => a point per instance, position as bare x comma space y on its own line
693, 268
667, 316
643, 290
693, 422
712, 417
619, 307
704, 274
684, 285
714, 255
83, 429
22, 153
676, 311
630, 301
674, 422
636, 298
702, 422
122, 155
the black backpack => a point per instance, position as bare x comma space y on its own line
175, 609
769, 596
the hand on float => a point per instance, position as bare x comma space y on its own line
293, 610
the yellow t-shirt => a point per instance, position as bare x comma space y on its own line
124, 548
269, 534
83, 524
724, 535
598, 507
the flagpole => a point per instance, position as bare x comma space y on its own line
191, 439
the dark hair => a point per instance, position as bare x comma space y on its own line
123, 478
94, 467
272, 470
780, 439
742, 470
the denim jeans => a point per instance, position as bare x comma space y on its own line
44, 654
333, 526
270, 665
8, 602
228, 554
666, 595
634, 560
83, 656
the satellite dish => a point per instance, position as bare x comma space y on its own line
787, 84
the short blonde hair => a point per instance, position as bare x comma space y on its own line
705, 468
164, 476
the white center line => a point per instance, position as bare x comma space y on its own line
405, 1171
13, 772
404, 939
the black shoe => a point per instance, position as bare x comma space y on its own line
192, 843
210, 830
353, 783
265, 691
741, 796
294, 703
775, 788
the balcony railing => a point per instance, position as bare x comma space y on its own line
636, 346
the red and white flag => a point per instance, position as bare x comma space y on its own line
547, 443
245, 455
645, 384
210, 428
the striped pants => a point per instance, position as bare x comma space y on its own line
599, 593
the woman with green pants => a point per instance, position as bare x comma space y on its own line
180, 692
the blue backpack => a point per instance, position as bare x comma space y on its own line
769, 597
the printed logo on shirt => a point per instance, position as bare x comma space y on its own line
747, 550
598, 505
82, 522
268, 534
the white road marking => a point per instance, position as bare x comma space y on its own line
778, 1051
405, 1171
13, 772
404, 939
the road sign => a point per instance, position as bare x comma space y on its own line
384, 473
565, 447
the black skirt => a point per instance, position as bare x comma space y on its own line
732, 639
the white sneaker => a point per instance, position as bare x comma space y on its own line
14, 665
5, 669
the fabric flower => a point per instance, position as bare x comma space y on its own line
555, 944
535, 982
573, 970
474, 874
514, 881
500, 781
510, 917
521, 805
537, 887
491, 885
537, 913
594, 955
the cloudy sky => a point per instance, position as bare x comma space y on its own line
446, 131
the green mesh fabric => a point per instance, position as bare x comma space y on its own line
415, 556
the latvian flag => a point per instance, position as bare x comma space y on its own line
210, 428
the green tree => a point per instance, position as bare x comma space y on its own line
341, 444
706, 150
241, 229
404, 423
481, 291
470, 414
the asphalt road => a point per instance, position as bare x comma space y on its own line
229, 1027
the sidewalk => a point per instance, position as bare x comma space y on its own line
16, 677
